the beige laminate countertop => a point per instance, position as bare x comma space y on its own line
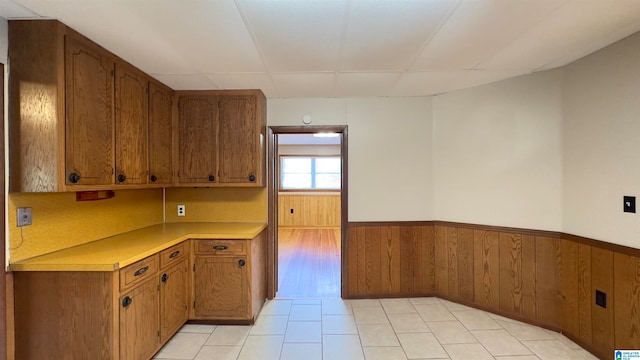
118, 251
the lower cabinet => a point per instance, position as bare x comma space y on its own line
130, 313
139, 320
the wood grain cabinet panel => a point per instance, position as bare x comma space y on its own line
140, 321
89, 113
174, 310
221, 287
131, 129
161, 150
239, 139
197, 139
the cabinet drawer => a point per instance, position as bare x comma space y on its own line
221, 247
138, 272
173, 255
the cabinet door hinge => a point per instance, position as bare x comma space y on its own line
194, 267
158, 287
194, 304
158, 333
186, 307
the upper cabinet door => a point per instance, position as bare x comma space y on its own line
160, 134
197, 137
239, 139
131, 131
89, 113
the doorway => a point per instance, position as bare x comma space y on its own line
308, 211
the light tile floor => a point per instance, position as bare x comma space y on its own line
386, 329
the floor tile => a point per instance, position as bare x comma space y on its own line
452, 306
500, 342
339, 325
270, 325
305, 313
298, 351
476, 320
182, 346
435, 312
370, 315
341, 347
397, 306
421, 346
229, 335
220, 352
584, 355
425, 301
522, 331
303, 332
467, 351
451, 332
551, 350
407, 323
307, 301
377, 335
384, 353
565, 340
336, 307
276, 307
263, 347
365, 303
197, 328
526, 357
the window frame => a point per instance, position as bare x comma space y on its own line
281, 189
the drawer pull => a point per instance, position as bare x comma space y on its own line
126, 302
141, 271
241, 263
220, 247
174, 254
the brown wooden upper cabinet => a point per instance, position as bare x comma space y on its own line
221, 138
80, 118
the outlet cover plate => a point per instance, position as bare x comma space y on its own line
24, 217
181, 210
601, 299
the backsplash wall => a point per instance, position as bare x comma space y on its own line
217, 204
60, 222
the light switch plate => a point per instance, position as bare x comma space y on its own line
24, 217
629, 204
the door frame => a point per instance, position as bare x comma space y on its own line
272, 232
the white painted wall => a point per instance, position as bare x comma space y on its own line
389, 146
498, 153
601, 139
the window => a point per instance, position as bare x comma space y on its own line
310, 172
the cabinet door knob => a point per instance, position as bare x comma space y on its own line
74, 177
220, 247
212, 178
241, 263
141, 271
165, 277
121, 178
126, 302
153, 178
252, 178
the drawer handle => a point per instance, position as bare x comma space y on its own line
220, 247
174, 254
126, 302
141, 271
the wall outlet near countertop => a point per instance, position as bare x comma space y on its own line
24, 217
181, 210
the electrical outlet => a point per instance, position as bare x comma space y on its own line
24, 216
601, 298
181, 210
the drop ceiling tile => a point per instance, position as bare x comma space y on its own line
573, 31
436, 82
304, 84
365, 84
186, 81
296, 35
388, 35
260, 81
477, 29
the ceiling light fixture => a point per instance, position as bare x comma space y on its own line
326, 135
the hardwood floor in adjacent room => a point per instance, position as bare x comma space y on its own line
308, 263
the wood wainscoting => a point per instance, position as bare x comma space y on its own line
544, 278
309, 210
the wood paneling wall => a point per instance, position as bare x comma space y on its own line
309, 210
544, 278
390, 260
